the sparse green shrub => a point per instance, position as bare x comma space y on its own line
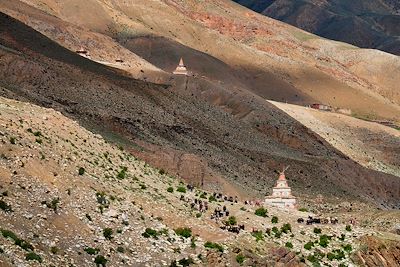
108, 233
32, 256
313, 259
9, 234
39, 141
286, 228
5, 207
1, 250
120, 249
193, 242
186, 261
274, 219
212, 199
331, 256
262, 212
259, 235
309, 245
54, 250
198, 215
181, 189
170, 189
212, 245
81, 171
100, 260
91, 251
37, 133
17, 241
348, 228
122, 173
13, 140
240, 259
303, 209
203, 195
231, 221
150, 233
161, 171
184, 232
323, 242
289, 245
348, 248
317, 230
53, 204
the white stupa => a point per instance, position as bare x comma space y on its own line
281, 194
181, 69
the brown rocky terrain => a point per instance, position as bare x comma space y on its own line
123, 111
68, 197
272, 59
368, 23
194, 116
373, 145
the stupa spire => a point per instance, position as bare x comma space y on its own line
181, 69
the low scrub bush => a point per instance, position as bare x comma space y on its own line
100, 260
212, 245
240, 259
91, 251
150, 233
259, 235
108, 233
184, 232
274, 219
181, 189
262, 212
32, 256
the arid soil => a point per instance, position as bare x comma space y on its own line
272, 59
62, 186
237, 135
373, 145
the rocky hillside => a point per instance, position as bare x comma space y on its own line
227, 43
371, 144
368, 24
69, 198
190, 127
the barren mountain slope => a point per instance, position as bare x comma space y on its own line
260, 49
68, 197
373, 145
193, 119
98, 47
365, 23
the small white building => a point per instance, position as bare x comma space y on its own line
281, 194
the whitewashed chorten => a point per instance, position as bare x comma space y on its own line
281, 194
181, 69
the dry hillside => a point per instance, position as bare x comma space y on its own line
270, 58
69, 198
373, 145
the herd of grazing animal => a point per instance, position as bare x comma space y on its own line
312, 220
